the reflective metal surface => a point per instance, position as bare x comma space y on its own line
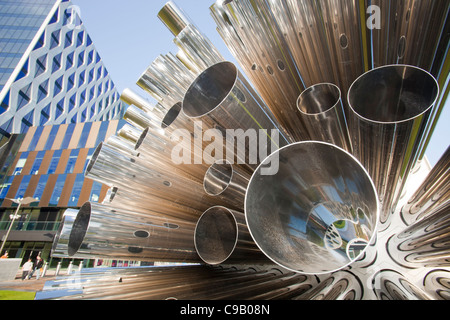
323, 114
318, 213
390, 107
104, 231
431, 194
221, 236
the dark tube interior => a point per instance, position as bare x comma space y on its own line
141, 139
319, 98
216, 235
209, 89
171, 115
94, 158
217, 178
393, 93
79, 229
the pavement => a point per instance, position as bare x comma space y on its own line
31, 285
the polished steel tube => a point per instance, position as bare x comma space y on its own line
318, 213
222, 99
129, 133
228, 182
173, 18
425, 243
61, 239
137, 117
390, 107
431, 194
132, 98
392, 285
323, 113
221, 236
197, 47
114, 167
102, 231
256, 42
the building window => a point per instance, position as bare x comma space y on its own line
72, 160
41, 64
37, 163
24, 96
68, 41
59, 108
81, 59
71, 82
76, 190
40, 187
4, 187
69, 60
23, 187
58, 86
95, 192
36, 136
54, 41
51, 138
56, 195
20, 164
42, 91
45, 115
68, 136
56, 63
54, 162
80, 38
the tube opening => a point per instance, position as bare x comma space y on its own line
216, 235
94, 158
209, 89
141, 139
318, 214
79, 228
319, 98
171, 115
393, 93
217, 178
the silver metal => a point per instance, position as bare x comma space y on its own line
256, 42
132, 98
392, 285
425, 243
222, 236
437, 284
61, 239
323, 114
390, 107
137, 117
431, 194
222, 99
228, 182
173, 18
318, 213
102, 231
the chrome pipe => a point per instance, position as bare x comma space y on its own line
392, 285
425, 243
122, 144
197, 47
222, 99
228, 182
129, 132
132, 98
113, 167
261, 50
222, 236
432, 193
137, 117
102, 231
323, 114
321, 209
61, 239
173, 18
390, 107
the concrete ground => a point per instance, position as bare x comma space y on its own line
31, 285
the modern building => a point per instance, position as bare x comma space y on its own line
57, 103
50, 70
48, 163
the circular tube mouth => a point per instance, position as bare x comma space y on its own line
393, 94
318, 214
218, 177
141, 138
216, 235
94, 158
210, 89
171, 115
79, 228
319, 98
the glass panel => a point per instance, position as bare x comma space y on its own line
57, 190
76, 191
54, 162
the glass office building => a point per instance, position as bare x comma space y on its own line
50, 71
49, 165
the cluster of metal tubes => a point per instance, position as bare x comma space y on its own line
340, 110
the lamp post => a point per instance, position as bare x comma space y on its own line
20, 202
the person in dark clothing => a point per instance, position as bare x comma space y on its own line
37, 265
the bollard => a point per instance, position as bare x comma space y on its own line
58, 268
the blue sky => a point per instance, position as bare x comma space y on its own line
129, 36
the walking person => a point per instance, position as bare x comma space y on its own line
26, 269
37, 265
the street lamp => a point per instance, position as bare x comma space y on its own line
20, 202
